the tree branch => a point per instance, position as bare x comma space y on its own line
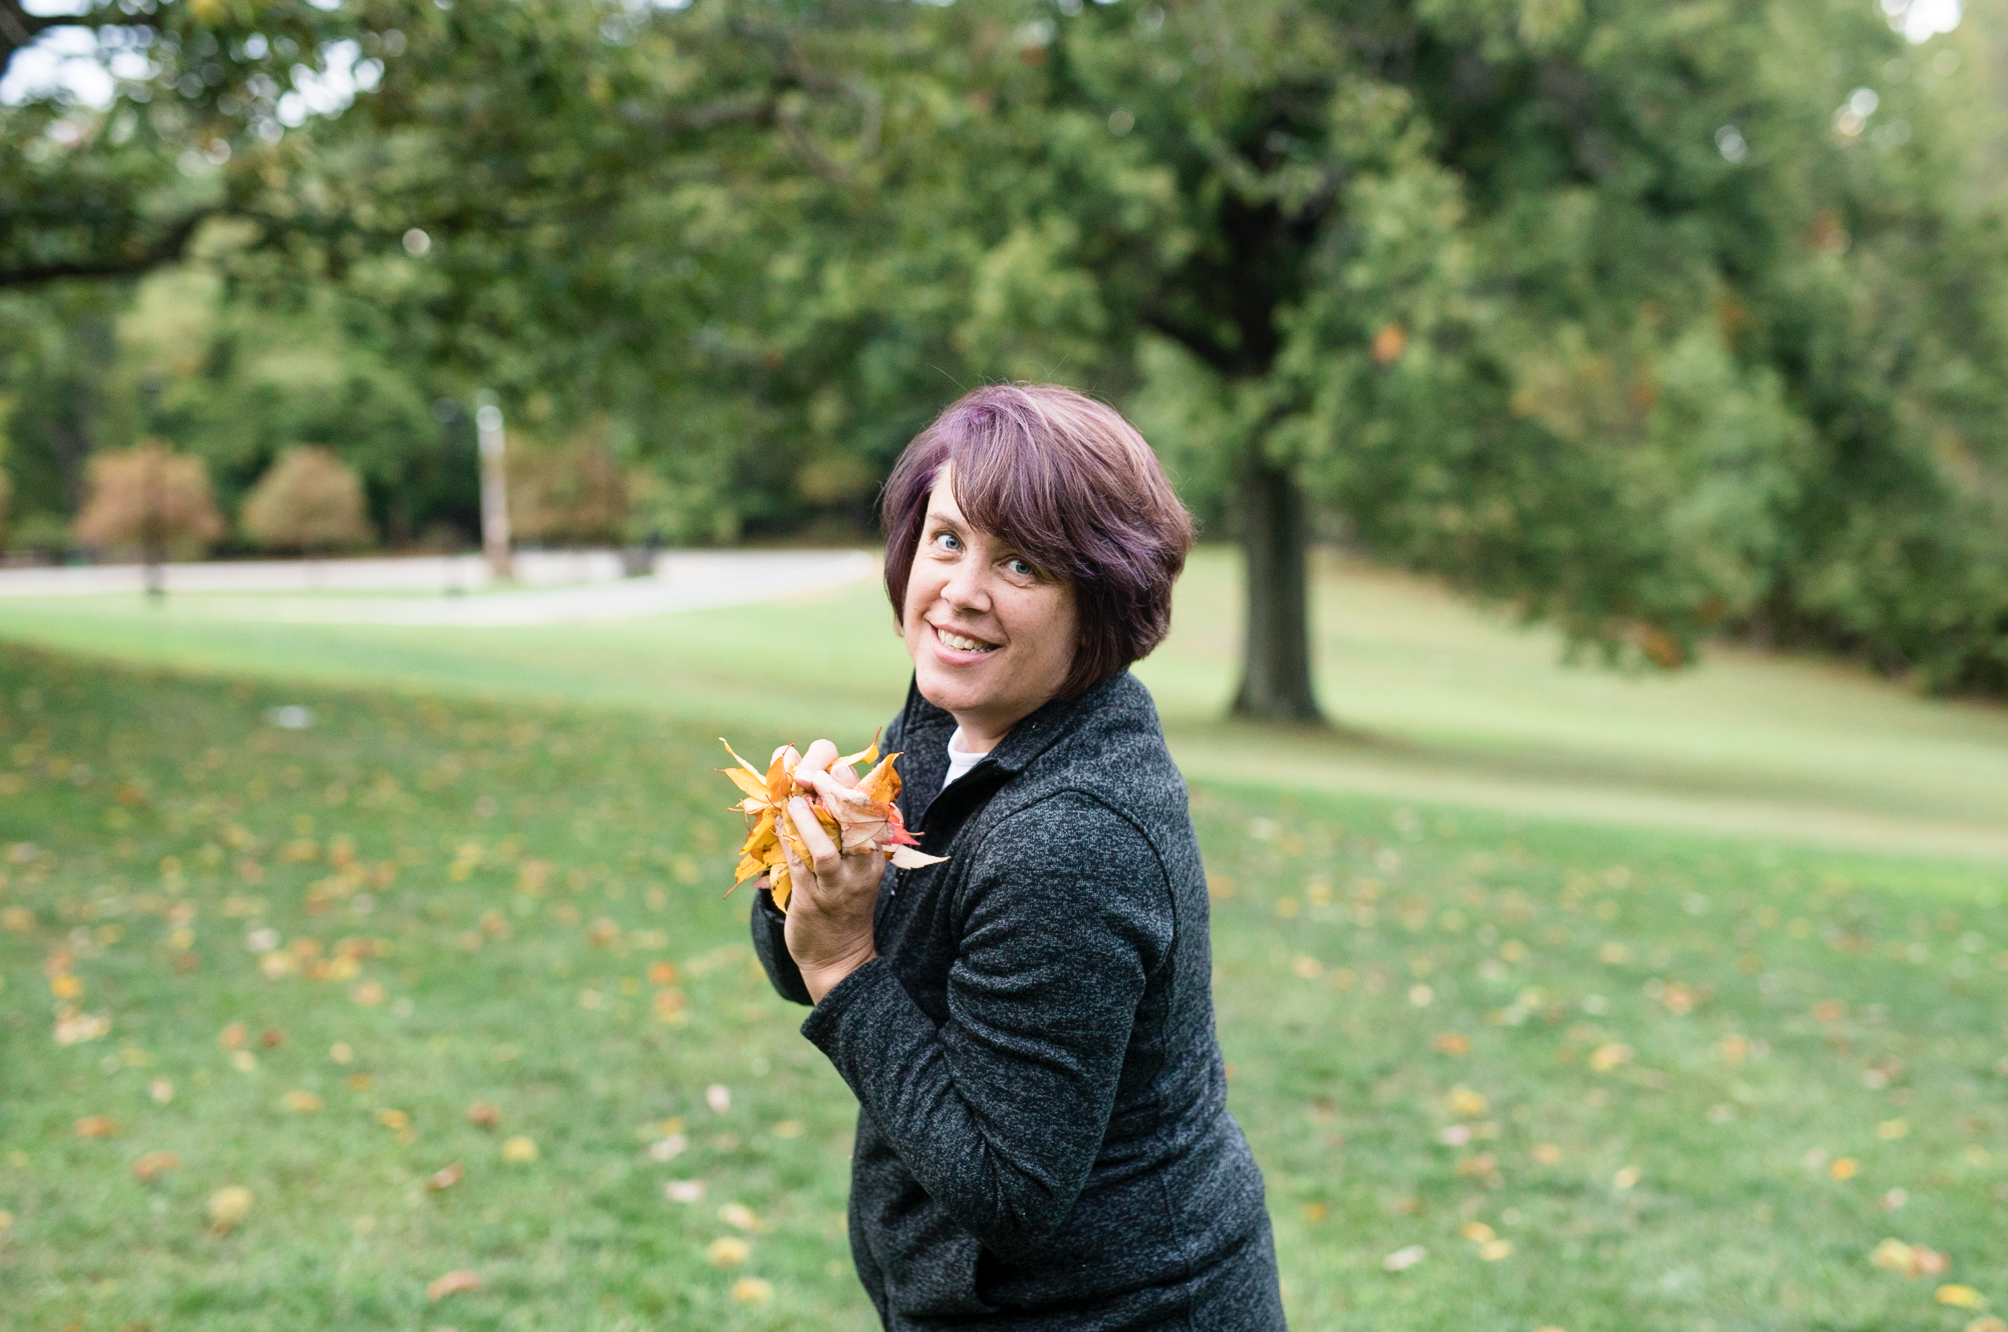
167, 249
1205, 348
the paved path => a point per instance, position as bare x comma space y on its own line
558, 587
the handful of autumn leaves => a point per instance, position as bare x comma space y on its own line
857, 812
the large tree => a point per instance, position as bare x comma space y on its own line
1642, 317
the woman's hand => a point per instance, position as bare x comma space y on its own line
829, 929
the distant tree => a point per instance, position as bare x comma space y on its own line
572, 494
149, 499
309, 500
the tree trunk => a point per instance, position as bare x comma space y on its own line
1276, 661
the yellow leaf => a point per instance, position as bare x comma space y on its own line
1607, 1057
1961, 1297
301, 1102
1844, 1169
98, 1126
1466, 1103
228, 1207
519, 1150
752, 1290
728, 1251
739, 1216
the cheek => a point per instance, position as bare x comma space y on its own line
923, 586
1046, 615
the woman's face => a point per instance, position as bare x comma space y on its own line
991, 637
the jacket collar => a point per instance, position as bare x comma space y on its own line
927, 728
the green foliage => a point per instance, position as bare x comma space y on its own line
1650, 321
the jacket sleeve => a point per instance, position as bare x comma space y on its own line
1000, 1111
771, 944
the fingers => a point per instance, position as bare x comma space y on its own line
822, 851
819, 758
844, 775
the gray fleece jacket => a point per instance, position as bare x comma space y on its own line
1043, 1138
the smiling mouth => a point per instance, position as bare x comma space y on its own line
961, 642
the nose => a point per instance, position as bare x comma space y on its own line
967, 589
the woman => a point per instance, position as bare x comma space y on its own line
1043, 1139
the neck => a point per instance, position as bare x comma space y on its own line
983, 733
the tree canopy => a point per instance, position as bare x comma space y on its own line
1649, 319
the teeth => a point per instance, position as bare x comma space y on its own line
959, 643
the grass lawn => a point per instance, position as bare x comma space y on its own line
1603, 1077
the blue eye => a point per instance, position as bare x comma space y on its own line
1020, 567
948, 541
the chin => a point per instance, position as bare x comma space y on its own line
950, 690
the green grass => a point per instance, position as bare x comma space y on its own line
1438, 702
526, 859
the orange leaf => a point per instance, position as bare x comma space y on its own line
453, 1283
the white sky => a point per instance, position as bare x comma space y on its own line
70, 58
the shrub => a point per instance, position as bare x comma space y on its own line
308, 500
149, 494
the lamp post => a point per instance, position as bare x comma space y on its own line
494, 488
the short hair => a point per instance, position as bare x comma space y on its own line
1075, 489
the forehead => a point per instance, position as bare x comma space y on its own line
941, 499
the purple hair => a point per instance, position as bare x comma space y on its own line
1075, 489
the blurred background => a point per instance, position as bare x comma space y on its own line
425, 424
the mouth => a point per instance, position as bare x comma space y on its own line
948, 638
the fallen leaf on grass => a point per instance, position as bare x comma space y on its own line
1987, 1324
519, 1150
684, 1190
6, 1220
301, 1102
453, 1283
232, 1036
1466, 1103
1605, 1058
98, 1126
228, 1207
752, 1290
1477, 1232
1846, 1168
445, 1178
1911, 1260
393, 1119
719, 1097
76, 1028
1451, 1043
727, 1251
1493, 1250
1548, 1154
1625, 1178
1403, 1259
739, 1216
1961, 1297
155, 1164
161, 1090
1891, 1129
483, 1115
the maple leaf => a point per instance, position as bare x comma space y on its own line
860, 816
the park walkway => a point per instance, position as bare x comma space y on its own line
550, 587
